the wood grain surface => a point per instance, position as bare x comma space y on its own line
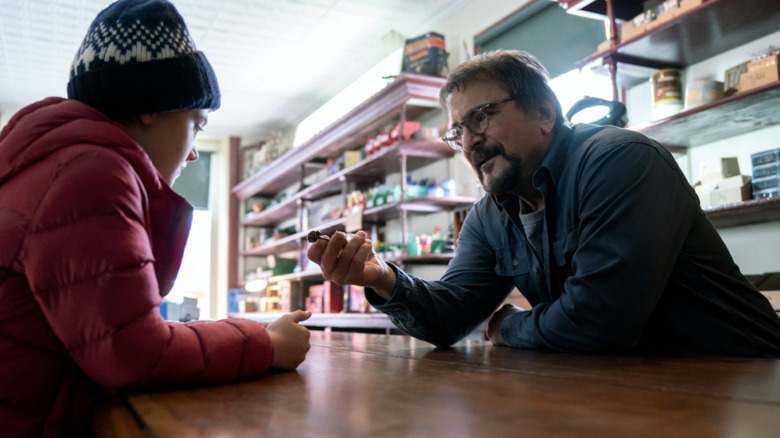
368, 385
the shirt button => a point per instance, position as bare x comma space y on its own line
536, 270
515, 262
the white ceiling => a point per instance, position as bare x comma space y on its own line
276, 60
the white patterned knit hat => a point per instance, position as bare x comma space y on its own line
137, 58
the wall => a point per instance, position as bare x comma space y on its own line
460, 29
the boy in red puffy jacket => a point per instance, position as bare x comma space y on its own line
92, 233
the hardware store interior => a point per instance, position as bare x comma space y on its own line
289, 70
330, 121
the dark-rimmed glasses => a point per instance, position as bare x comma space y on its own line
476, 121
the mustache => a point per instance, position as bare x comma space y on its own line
487, 152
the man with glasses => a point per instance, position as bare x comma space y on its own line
595, 225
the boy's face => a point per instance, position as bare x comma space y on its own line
169, 139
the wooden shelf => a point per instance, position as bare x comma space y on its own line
275, 213
297, 276
734, 115
293, 242
424, 204
695, 35
418, 93
406, 99
386, 161
745, 213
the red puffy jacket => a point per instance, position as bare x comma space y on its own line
91, 239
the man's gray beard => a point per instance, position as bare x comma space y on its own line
505, 182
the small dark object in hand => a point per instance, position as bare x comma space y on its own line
314, 235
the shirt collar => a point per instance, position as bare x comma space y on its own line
550, 170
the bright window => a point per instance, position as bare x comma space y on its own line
195, 273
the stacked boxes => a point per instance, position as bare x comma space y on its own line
721, 183
426, 55
766, 173
760, 72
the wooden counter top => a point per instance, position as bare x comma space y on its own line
368, 385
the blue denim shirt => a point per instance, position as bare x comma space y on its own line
630, 262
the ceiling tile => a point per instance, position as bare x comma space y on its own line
277, 60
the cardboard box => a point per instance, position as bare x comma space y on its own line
426, 55
733, 182
703, 192
352, 157
732, 77
718, 169
732, 190
757, 78
768, 61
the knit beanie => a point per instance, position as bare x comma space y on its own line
138, 57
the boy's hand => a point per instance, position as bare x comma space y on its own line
290, 339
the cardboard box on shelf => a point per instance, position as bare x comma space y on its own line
352, 157
703, 192
767, 61
731, 190
715, 170
758, 77
688, 4
732, 77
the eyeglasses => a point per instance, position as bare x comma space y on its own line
477, 122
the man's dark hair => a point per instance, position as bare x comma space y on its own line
518, 72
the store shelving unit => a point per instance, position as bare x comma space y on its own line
697, 34
405, 99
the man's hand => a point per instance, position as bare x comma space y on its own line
353, 261
494, 325
290, 339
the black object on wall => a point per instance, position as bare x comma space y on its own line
597, 111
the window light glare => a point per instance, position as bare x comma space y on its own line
369, 84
